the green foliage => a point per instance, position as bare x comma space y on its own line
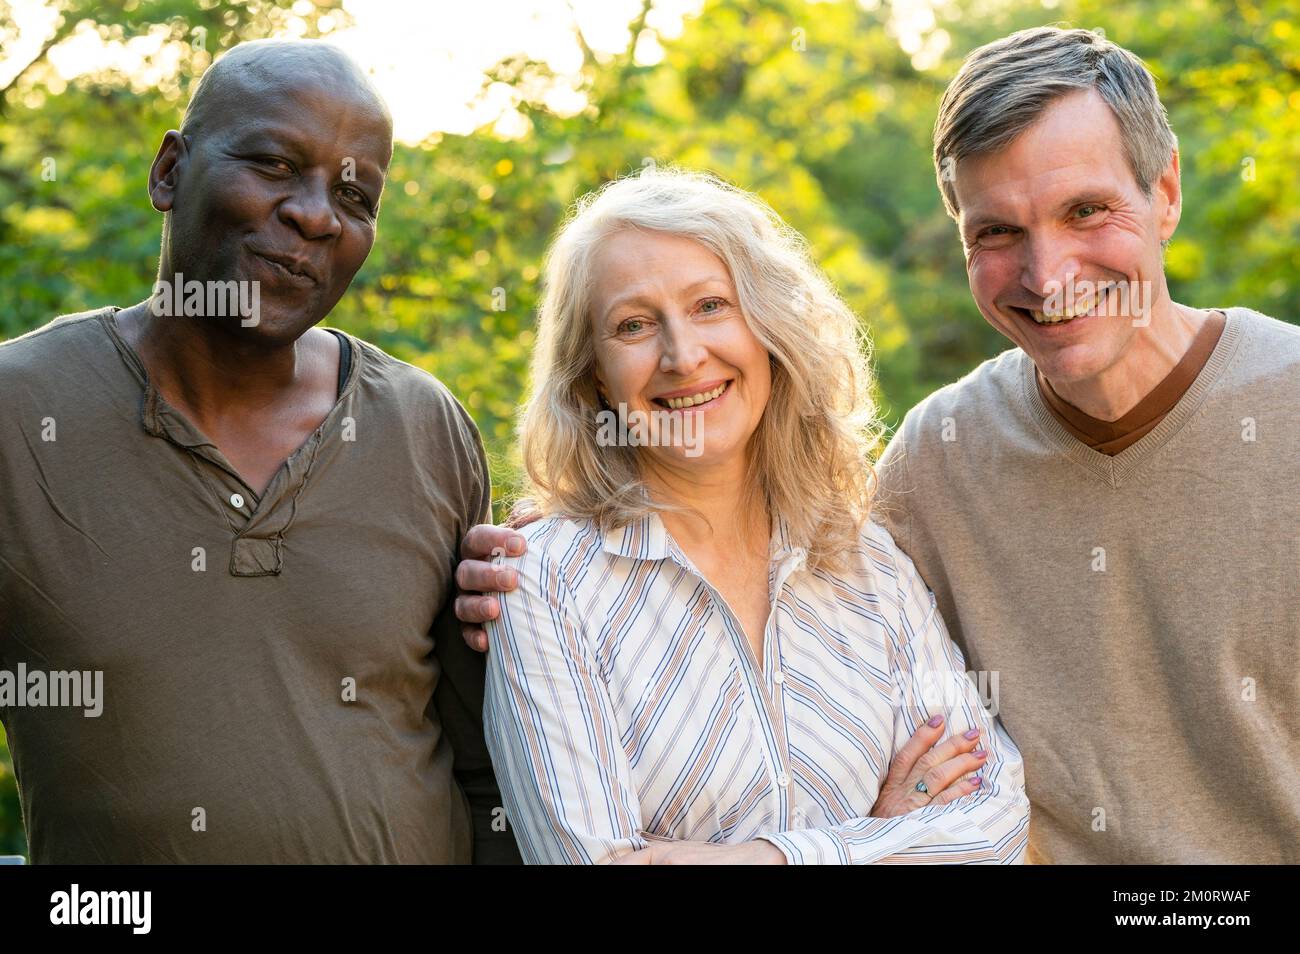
814, 106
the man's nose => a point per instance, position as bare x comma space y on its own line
1051, 265
682, 349
310, 210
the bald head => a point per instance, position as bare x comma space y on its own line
246, 75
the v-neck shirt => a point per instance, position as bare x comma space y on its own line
1111, 437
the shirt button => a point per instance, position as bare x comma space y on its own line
778, 677
236, 500
783, 780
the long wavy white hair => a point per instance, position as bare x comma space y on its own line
810, 457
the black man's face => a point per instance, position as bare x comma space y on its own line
286, 193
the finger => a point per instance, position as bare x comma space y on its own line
475, 576
950, 748
941, 776
926, 734
476, 609
484, 538
958, 789
475, 638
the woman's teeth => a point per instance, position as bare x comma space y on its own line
693, 399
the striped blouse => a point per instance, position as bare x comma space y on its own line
624, 705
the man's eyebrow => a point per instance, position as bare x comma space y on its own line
1083, 197
268, 135
981, 220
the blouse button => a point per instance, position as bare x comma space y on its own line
783, 780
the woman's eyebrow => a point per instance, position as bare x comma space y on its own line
633, 298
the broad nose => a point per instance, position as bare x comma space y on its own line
310, 209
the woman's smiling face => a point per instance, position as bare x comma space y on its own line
670, 339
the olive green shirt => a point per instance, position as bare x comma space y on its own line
272, 690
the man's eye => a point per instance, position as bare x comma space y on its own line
356, 195
1086, 210
282, 164
997, 230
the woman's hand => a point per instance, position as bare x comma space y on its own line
756, 852
939, 767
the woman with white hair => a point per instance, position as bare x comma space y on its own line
713, 654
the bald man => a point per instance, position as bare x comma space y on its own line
228, 536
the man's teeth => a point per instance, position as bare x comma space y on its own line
693, 399
1080, 308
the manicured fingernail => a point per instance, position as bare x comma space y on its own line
980, 754
976, 781
970, 734
935, 722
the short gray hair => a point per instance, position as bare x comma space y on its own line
1004, 87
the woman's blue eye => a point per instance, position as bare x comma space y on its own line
632, 325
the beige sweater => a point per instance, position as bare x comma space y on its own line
1141, 612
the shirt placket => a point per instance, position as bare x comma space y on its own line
257, 524
764, 688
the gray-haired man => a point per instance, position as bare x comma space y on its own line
1106, 513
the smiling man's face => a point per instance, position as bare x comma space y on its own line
281, 185
1058, 206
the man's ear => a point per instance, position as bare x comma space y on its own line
1169, 193
164, 174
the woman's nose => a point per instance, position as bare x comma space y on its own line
682, 350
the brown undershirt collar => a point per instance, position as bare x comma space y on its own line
1111, 437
